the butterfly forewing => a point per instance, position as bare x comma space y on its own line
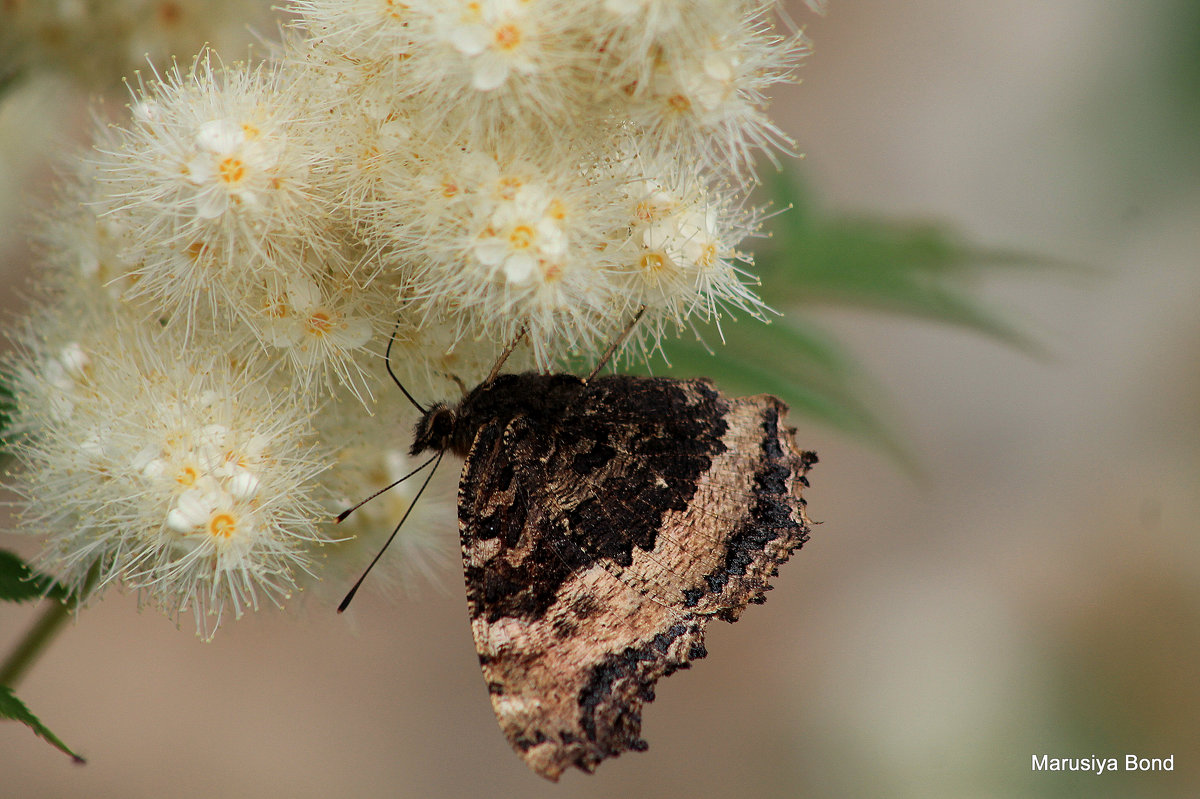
603, 523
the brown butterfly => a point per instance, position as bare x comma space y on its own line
604, 522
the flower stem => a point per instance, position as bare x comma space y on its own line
39, 635
37, 638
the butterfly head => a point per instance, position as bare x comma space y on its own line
435, 430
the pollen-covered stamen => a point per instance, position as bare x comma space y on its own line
653, 263
319, 322
507, 37
507, 187
276, 308
222, 525
231, 170
395, 10
521, 237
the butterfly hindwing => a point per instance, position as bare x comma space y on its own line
603, 523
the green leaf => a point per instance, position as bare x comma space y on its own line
13, 708
917, 269
19, 583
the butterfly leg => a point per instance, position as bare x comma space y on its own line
617, 342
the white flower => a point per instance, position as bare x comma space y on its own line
481, 64
320, 331
372, 31
231, 165
525, 233
497, 37
226, 264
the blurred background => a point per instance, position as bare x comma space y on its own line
1016, 574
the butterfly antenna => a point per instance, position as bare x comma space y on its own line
349, 596
388, 363
341, 517
617, 342
504, 356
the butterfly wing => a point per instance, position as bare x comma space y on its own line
592, 568
691, 497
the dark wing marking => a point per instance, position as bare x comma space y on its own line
699, 498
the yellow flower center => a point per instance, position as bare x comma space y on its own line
508, 37
232, 170
508, 187
275, 308
223, 525
653, 262
187, 476
678, 102
521, 237
319, 323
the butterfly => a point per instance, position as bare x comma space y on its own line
604, 521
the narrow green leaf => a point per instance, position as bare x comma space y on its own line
19, 583
915, 268
13, 708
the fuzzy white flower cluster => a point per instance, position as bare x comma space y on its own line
229, 263
183, 478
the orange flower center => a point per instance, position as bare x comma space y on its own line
232, 170
521, 237
653, 262
223, 525
320, 323
508, 36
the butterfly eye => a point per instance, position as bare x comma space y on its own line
441, 426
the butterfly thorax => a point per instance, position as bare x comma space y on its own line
531, 395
